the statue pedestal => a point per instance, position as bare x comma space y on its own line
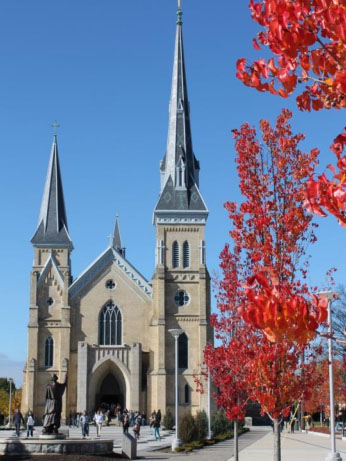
52, 437
53, 445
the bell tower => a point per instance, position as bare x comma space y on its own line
181, 282
49, 317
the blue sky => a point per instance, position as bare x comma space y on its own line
103, 70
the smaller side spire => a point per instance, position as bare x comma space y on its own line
116, 239
52, 227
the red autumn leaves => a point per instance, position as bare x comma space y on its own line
270, 229
308, 42
324, 195
281, 316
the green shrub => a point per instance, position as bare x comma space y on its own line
220, 424
187, 428
168, 420
201, 420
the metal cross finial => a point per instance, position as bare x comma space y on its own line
179, 14
55, 126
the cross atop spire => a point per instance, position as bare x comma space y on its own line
179, 13
52, 224
55, 126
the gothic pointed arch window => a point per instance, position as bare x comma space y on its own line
186, 254
110, 325
175, 254
48, 352
183, 351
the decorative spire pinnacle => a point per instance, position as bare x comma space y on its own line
116, 239
52, 227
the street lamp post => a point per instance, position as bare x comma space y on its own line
176, 441
333, 455
10, 380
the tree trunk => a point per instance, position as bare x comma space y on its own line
277, 440
236, 447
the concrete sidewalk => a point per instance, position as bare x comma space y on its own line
257, 445
294, 447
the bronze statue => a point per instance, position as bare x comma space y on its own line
52, 410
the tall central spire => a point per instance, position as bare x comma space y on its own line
179, 167
179, 142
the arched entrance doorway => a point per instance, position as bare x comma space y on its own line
110, 393
108, 385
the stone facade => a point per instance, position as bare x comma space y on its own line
134, 367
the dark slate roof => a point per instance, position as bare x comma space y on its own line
52, 224
172, 199
179, 153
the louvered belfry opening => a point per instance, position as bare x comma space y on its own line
175, 255
186, 255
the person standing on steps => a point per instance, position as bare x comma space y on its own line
98, 418
30, 425
157, 428
18, 419
85, 420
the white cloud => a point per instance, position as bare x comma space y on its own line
11, 369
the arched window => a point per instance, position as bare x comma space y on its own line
183, 352
186, 254
110, 325
175, 254
187, 394
48, 352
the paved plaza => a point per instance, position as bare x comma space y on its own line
256, 445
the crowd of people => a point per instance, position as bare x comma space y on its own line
122, 417
128, 419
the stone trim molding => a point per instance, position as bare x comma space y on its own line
109, 256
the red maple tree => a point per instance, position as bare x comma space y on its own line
266, 315
319, 401
307, 40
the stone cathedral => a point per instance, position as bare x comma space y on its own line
108, 328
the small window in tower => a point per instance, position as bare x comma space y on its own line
48, 352
50, 301
183, 352
187, 394
175, 255
181, 298
186, 255
110, 284
180, 177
